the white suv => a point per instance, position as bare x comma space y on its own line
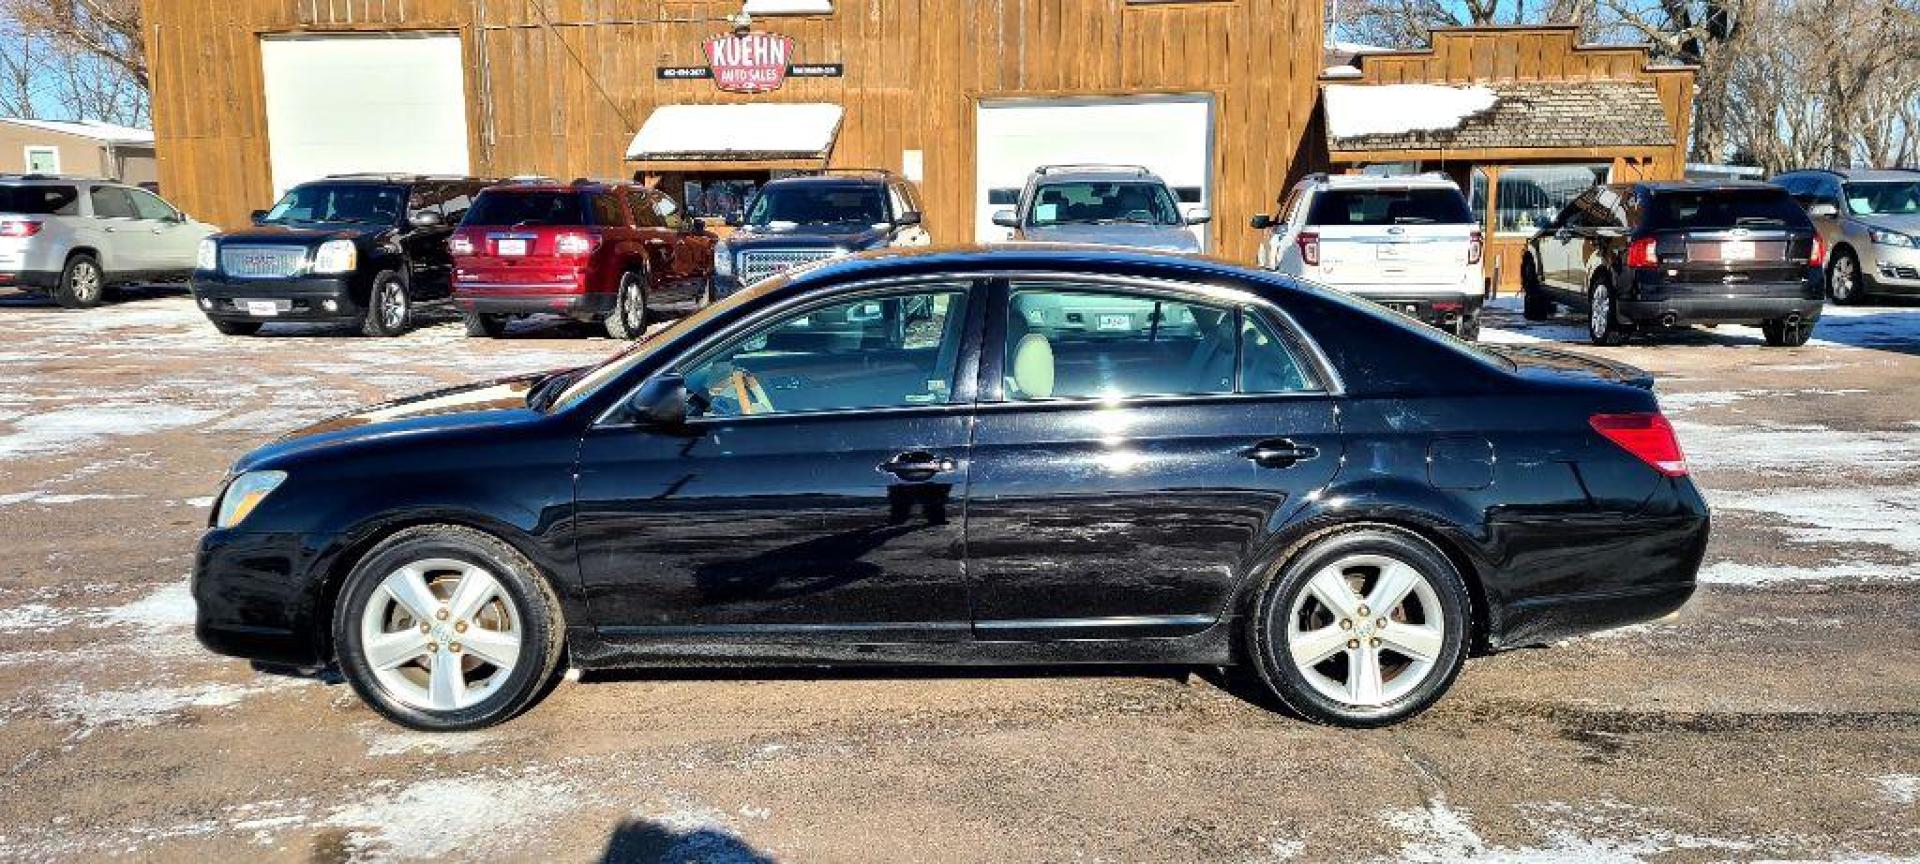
74, 237
1410, 244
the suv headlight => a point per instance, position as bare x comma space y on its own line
335, 256
207, 257
244, 494
1884, 237
722, 259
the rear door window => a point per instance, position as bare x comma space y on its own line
1337, 207
527, 209
1719, 209
40, 200
111, 202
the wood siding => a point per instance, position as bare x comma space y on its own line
559, 87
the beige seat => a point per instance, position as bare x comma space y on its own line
1032, 368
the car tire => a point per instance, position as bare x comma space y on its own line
490, 326
420, 578
1534, 304
389, 305
236, 328
1467, 327
1344, 668
1781, 334
1846, 283
82, 283
628, 319
1603, 326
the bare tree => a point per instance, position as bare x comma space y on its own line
77, 58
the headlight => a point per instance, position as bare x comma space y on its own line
722, 259
1884, 237
335, 256
208, 256
245, 493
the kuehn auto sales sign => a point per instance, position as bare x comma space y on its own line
750, 62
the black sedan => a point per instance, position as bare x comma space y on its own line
1033, 456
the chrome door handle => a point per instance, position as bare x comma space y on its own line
1279, 453
918, 466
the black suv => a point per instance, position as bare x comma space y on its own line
1667, 254
360, 248
799, 220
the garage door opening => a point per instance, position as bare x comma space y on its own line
341, 104
1171, 135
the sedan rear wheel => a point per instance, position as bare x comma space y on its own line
1367, 627
445, 628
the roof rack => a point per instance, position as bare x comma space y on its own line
1140, 170
882, 172
69, 177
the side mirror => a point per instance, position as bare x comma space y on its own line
1260, 222
907, 219
1199, 217
1823, 210
426, 219
661, 403
736, 219
1005, 219
259, 216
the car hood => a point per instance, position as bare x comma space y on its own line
287, 235
1903, 223
1531, 361
473, 407
1165, 238
853, 238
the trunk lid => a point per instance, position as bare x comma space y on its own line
1385, 234
1530, 361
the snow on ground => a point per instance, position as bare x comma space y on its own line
1593, 833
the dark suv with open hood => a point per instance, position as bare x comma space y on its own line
359, 248
795, 221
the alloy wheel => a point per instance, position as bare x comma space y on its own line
441, 634
633, 310
1367, 630
393, 305
1845, 277
1600, 311
85, 282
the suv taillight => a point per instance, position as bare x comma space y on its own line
1648, 436
1643, 252
18, 228
1817, 256
1309, 243
574, 243
1475, 247
460, 244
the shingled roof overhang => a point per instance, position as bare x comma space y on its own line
1528, 119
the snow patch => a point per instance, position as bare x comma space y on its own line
1358, 110
1901, 789
1884, 516
150, 706
401, 743
1758, 448
1737, 574
1602, 833
76, 427
40, 497
438, 817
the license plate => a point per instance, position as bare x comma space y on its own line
1736, 250
1115, 322
511, 246
262, 308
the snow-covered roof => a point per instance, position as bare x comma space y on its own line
94, 129
1340, 72
1516, 114
745, 131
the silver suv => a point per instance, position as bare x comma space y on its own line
1870, 223
74, 237
1109, 205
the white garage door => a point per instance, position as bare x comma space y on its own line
340, 104
1172, 135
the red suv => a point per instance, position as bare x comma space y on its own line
615, 252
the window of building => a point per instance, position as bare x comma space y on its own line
1530, 196
43, 160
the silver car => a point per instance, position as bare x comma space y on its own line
1108, 205
74, 237
1870, 223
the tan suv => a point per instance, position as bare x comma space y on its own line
74, 237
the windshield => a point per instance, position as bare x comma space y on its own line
498, 208
40, 200
1728, 208
812, 204
1099, 203
1391, 207
356, 203
1884, 199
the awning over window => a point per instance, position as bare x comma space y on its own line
1585, 117
765, 132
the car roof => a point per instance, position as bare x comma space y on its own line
1062, 258
1404, 181
1704, 185
59, 179
1047, 176
840, 180
1872, 174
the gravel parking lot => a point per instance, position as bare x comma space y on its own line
1777, 717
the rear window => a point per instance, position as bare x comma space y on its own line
1728, 208
1390, 207
508, 209
40, 200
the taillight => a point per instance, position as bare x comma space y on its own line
1476, 247
574, 243
1309, 243
19, 228
460, 244
1643, 252
1817, 256
1647, 436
